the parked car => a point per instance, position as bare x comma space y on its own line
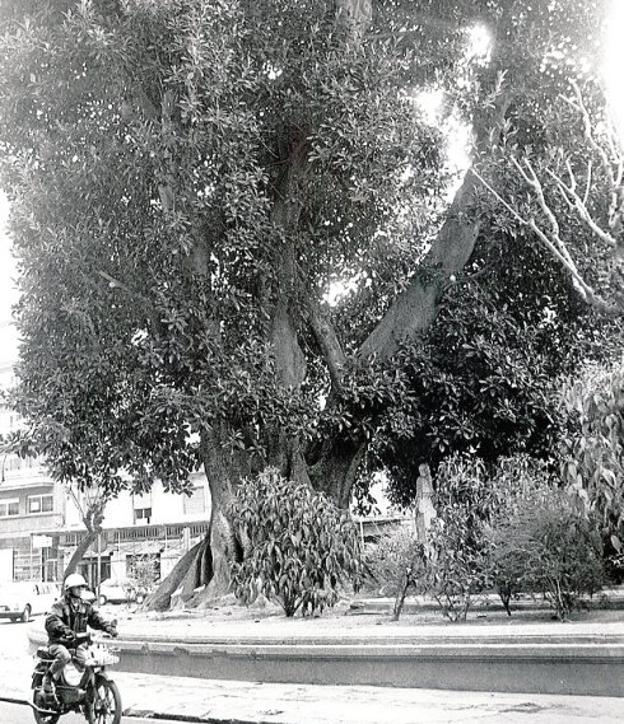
22, 600
121, 590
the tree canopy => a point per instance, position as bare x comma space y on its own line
187, 180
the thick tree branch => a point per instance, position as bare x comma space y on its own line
413, 311
328, 341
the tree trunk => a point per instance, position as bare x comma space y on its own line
92, 517
160, 599
82, 547
411, 314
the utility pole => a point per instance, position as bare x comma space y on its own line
98, 573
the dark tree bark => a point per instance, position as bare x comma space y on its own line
411, 314
160, 599
92, 518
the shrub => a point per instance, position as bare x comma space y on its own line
470, 500
548, 546
398, 560
457, 561
298, 546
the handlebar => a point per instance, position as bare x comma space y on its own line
86, 638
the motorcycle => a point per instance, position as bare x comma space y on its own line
89, 691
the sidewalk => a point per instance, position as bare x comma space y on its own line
250, 702
239, 702
221, 700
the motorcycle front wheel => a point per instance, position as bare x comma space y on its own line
43, 718
106, 702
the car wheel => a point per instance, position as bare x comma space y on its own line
102, 599
25, 617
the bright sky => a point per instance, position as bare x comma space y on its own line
614, 63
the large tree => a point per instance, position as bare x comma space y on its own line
188, 177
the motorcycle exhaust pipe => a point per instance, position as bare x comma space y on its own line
25, 702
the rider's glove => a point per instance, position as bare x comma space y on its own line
69, 640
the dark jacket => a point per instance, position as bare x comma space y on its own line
69, 616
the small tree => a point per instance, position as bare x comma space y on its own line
471, 499
456, 562
457, 568
298, 545
399, 560
547, 545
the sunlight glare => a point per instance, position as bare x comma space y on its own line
614, 64
479, 43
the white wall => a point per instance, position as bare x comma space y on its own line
166, 507
6, 564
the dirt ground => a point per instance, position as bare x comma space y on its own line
357, 612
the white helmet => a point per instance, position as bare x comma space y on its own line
74, 580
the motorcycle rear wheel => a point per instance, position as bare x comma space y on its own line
107, 702
43, 718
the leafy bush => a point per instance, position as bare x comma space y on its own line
470, 500
457, 562
298, 546
548, 546
456, 567
399, 562
593, 450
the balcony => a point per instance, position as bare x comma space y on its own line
13, 526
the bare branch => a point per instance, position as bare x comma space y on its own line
553, 243
588, 180
575, 201
612, 163
589, 133
498, 197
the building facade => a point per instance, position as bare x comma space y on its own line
41, 524
30, 503
150, 531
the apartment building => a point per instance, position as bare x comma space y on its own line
155, 528
41, 524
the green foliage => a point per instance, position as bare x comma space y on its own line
471, 500
143, 151
456, 561
298, 547
593, 449
397, 562
547, 546
485, 379
145, 148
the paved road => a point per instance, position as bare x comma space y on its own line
16, 666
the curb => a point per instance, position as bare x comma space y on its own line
593, 668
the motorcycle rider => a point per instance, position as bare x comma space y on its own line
69, 616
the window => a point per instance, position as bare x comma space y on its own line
9, 507
142, 515
40, 503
